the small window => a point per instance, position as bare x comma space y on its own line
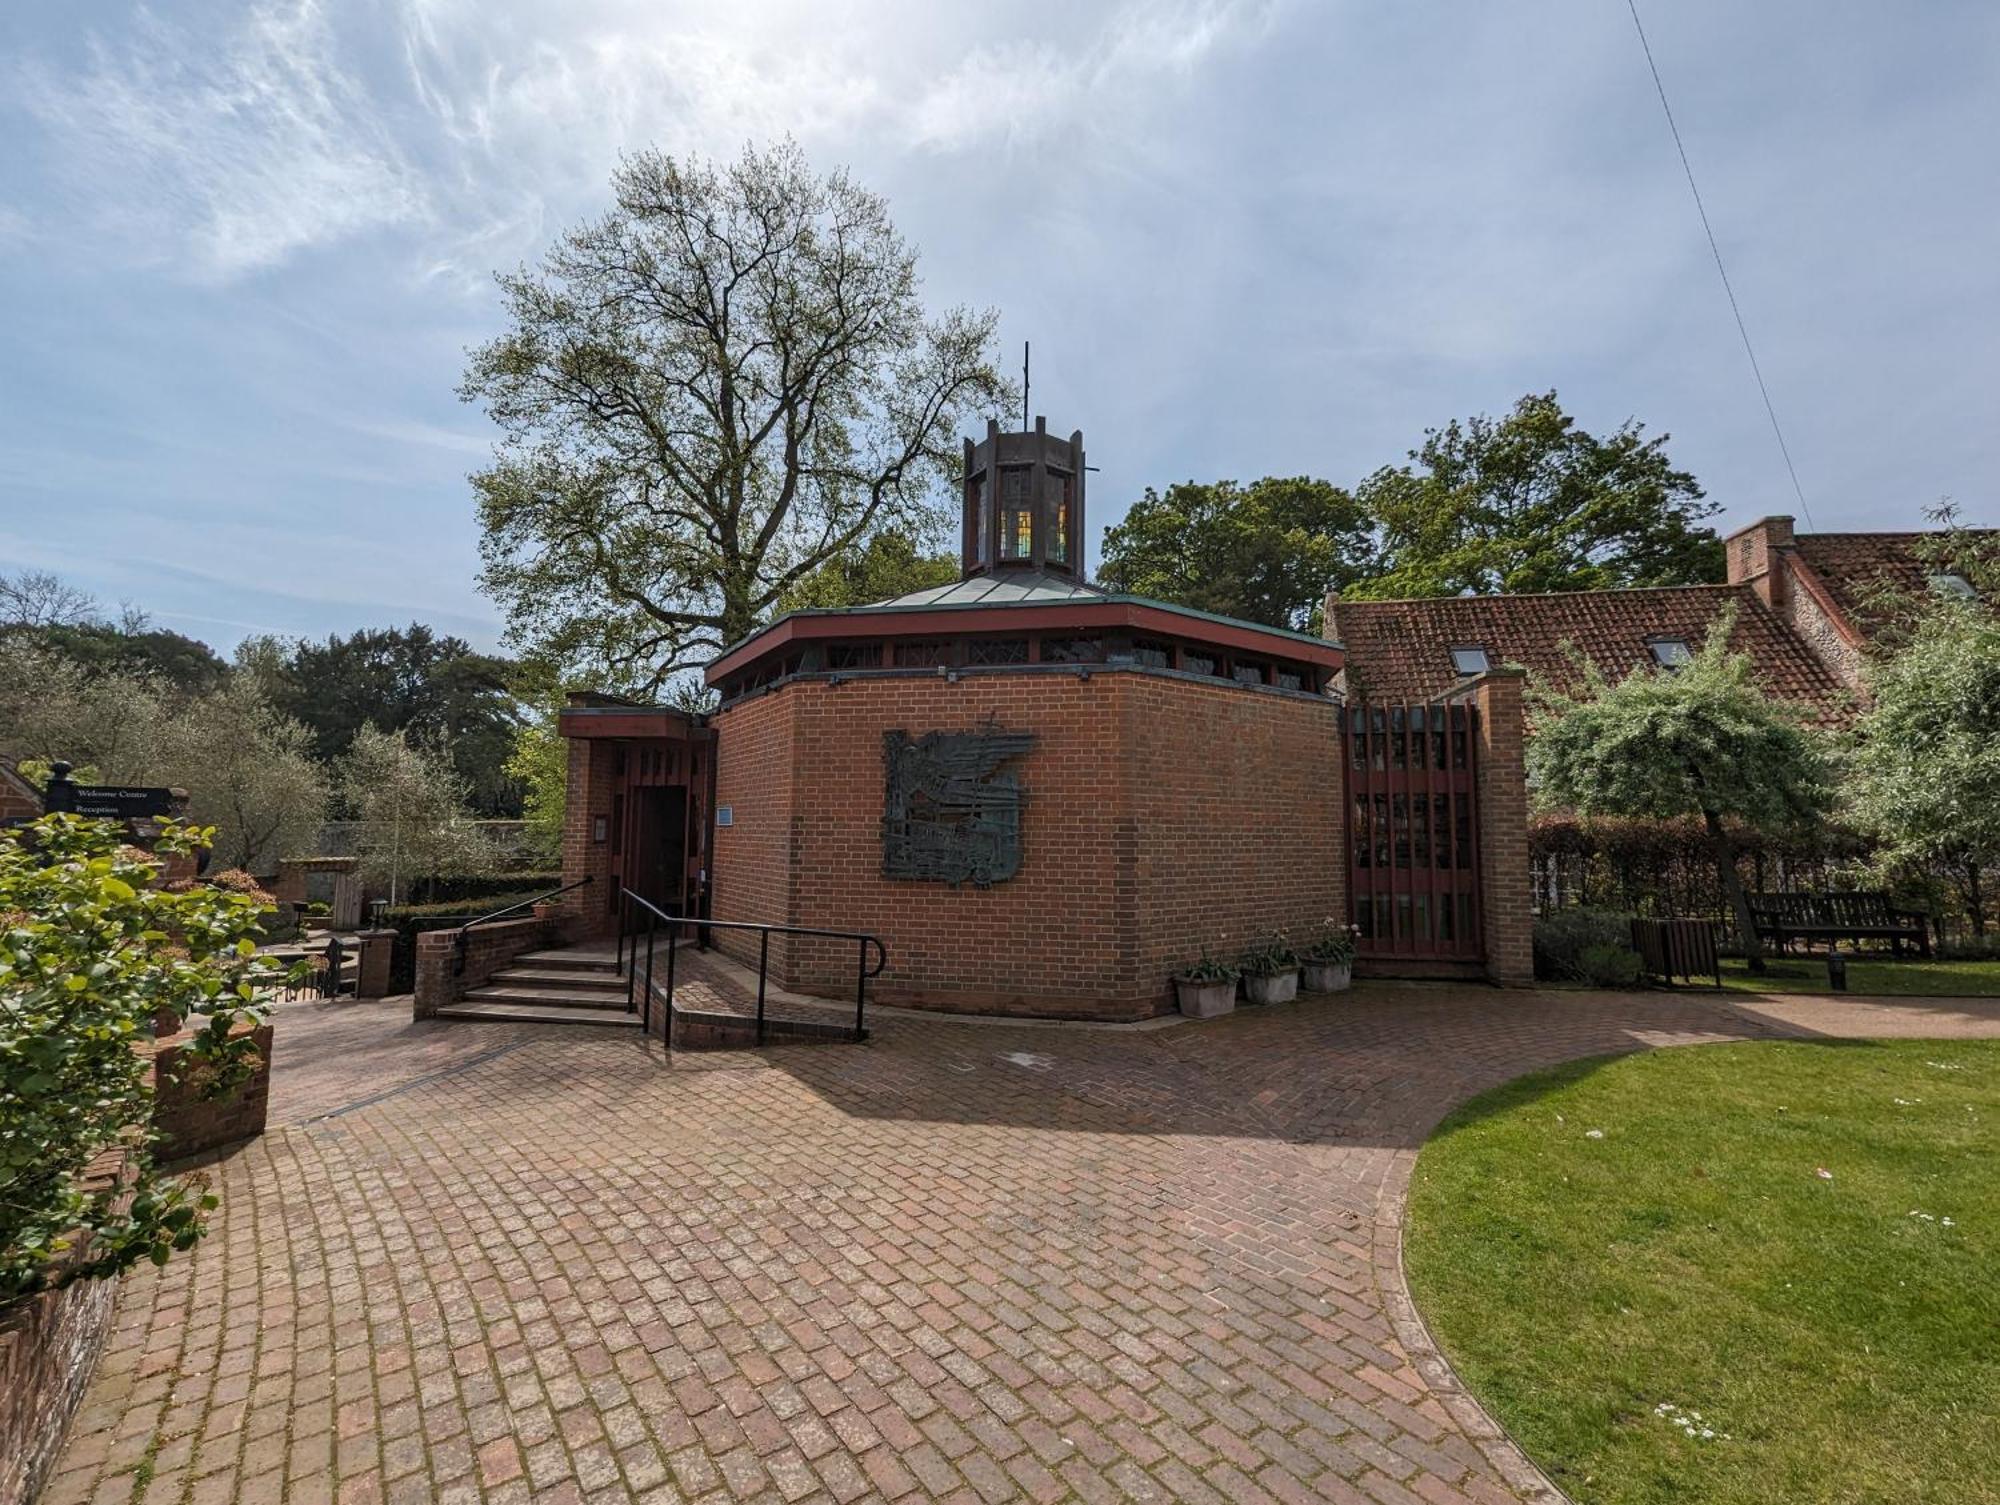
1152, 653
922, 655
1291, 679
1072, 651
854, 656
1197, 663
996, 651
1669, 653
1248, 674
1470, 658
1017, 518
1955, 585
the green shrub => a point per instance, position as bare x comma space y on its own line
1609, 966
411, 920
1562, 936
92, 950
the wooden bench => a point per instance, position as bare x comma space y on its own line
1685, 949
1783, 918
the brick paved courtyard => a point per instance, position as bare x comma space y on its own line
965, 1261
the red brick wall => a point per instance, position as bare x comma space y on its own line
49, 1345
588, 911
1161, 815
189, 1123
1506, 895
488, 948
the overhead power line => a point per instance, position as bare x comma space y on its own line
1722, 271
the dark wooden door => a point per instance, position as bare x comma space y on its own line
656, 867
1413, 829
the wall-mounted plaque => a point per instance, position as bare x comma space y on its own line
949, 813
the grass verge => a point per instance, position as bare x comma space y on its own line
1609, 1298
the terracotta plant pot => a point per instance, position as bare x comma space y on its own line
1271, 987
1328, 977
1204, 1000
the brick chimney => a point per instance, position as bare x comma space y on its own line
1753, 555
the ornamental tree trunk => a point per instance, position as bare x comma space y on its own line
1732, 886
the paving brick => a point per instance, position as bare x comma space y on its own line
512, 1263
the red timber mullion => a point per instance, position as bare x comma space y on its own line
1475, 942
1396, 877
1434, 936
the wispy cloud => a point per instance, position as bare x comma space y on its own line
236, 152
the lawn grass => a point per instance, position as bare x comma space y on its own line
1842, 1349
1912, 979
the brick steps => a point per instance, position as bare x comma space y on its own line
538, 1013
501, 990
570, 979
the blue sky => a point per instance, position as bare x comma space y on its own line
243, 247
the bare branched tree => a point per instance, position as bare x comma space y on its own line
707, 394
36, 598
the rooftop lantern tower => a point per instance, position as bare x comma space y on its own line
1024, 502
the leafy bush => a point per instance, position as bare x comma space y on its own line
1605, 966
92, 949
411, 920
1562, 936
496, 889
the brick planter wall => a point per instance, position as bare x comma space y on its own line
1162, 814
49, 1345
488, 948
192, 1124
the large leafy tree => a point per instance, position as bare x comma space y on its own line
723, 383
1926, 765
248, 768
400, 679
411, 807
1266, 552
1702, 740
1532, 502
890, 564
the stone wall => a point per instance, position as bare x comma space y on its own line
1163, 815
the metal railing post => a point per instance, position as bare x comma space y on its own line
860, 986
763, 971
651, 926
667, 1023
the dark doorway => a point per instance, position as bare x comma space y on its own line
656, 865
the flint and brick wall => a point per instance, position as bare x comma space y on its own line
1162, 816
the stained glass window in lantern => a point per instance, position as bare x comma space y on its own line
1017, 513
1057, 489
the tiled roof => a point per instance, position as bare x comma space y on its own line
1402, 649
1857, 567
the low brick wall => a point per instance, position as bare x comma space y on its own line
49, 1346
695, 1030
191, 1124
488, 948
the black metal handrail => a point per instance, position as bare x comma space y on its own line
458, 961
655, 917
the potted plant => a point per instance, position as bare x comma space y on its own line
1271, 971
1329, 961
1206, 989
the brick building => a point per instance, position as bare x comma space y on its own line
1044, 797
1808, 606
